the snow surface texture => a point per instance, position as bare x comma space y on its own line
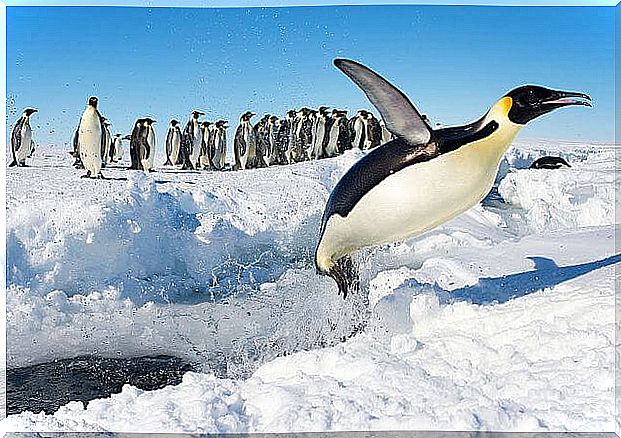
502, 319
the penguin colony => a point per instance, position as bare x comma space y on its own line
301, 135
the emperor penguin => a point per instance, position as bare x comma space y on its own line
357, 129
173, 143
21, 138
373, 135
191, 141
549, 163
204, 159
90, 139
289, 128
244, 144
423, 177
106, 143
219, 140
338, 137
149, 146
116, 153
136, 139
272, 140
263, 157
304, 134
320, 132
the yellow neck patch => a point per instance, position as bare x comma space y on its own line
505, 105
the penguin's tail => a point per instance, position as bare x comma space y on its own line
345, 273
13, 163
168, 162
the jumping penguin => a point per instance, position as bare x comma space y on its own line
21, 138
424, 177
173, 143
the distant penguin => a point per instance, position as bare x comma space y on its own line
244, 143
549, 163
204, 159
339, 136
148, 151
320, 133
135, 144
262, 142
304, 135
357, 129
191, 140
373, 135
271, 156
219, 140
116, 152
424, 177
21, 138
289, 130
90, 139
106, 142
173, 143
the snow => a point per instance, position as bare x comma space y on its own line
502, 319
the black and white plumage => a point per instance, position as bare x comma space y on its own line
21, 138
149, 146
191, 140
205, 156
116, 151
91, 139
106, 142
244, 144
320, 132
549, 163
136, 138
219, 141
338, 134
423, 178
173, 143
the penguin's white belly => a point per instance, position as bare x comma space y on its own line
321, 130
176, 144
25, 145
148, 165
332, 143
414, 200
90, 142
118, 150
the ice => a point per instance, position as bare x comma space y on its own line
502, 319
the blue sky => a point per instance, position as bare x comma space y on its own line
452, 61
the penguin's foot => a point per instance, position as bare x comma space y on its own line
100, 176
13, 164
88, 174
345, 273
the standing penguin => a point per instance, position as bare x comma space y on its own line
424, 177
320, 133
373, 135
204, 158
244, 143
149, 145
173, 143
338, 137
90, 139
262, 142
116, 151
106, 141
272, 141
219, 140
357, 129
21, 138
191, 141
135, 140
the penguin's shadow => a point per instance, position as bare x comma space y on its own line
498, 290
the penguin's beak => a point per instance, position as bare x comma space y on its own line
567, 98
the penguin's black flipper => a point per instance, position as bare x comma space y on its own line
401, 117
345, 273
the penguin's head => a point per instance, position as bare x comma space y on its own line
174, 122
205, 124
531, 101
197, 114
149, 121
92, 101
29, 111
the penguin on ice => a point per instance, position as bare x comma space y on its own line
173, 143
244, 143
148, 147
116, 152
320, 133
219, 141
135, 140
191, 141
106, 144
21, 138
549, 163
205, 157
424, 177
338, 136
91, 137
358, 129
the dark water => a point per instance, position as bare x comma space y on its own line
46, 387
